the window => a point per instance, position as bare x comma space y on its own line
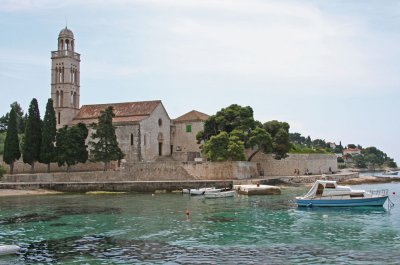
330, 186
59, 118
159, 122
188, 128
131, 138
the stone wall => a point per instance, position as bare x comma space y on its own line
222, 170
129, 141
20, 167
315, 163
151, 171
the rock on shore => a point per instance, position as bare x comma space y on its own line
369, 180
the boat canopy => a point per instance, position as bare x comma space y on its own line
324, 188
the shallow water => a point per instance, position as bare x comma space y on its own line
148, 229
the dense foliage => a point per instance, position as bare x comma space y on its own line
2, 171
373, 157
235, 126
11, 144
71, 148
279, 132
33, 135
47, 147
305, 145
104, 144
2, 139
20, 117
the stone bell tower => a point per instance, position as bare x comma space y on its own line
65, 78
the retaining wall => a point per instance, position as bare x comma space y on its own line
315, 163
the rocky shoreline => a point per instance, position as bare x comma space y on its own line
351, 181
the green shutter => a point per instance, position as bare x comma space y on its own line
188, 128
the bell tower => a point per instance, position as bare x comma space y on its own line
65, 78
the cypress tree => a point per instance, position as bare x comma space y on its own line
33, 135
11, 144
105, 145
71, 146
47, 148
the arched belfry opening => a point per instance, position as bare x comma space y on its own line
65, 86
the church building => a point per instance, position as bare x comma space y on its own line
144, 129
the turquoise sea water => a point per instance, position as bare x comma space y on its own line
152, 229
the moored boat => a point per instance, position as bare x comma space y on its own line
390, 172
201, 191
328, 193
221, 194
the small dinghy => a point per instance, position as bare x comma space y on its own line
9, 249
221, 194
201, 191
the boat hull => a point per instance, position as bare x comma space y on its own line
375, 201
222, 194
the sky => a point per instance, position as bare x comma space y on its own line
328, 68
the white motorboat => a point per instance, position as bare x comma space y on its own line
201, 191
221, 194
390, 172
328, 193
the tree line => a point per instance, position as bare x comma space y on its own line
232, 130
42, 142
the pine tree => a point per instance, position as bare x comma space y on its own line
11, 144
33, 136
47, 148
105, 145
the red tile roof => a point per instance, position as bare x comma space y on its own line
124, 112
193, 115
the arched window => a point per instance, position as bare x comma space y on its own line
62, 75
131, 138
59, 118
57, 99
62, 45
72, 45
71, 99
75, 101
61, 98
59, 77
67, 45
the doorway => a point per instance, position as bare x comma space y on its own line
160, 149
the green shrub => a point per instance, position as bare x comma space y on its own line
298, 149
2, 139
2, 171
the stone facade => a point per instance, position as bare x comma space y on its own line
155, 134
65, 78
185, 130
